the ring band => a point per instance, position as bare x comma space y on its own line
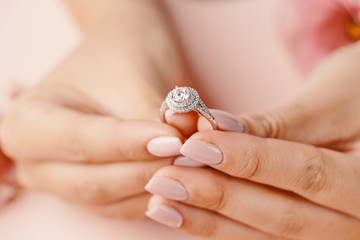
186, 99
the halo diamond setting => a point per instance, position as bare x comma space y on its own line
186, 99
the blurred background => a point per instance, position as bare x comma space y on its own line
234, 47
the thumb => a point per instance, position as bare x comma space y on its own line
300, 122
292, 122
315, 124
325, 113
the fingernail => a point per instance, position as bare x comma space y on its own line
228, 121
183, 161
164, 146
167, 188
165, 215
201, 151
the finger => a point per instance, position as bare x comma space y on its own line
44, 131
323, 113
184, 122
129, 208
323, 176
89, 184
247, 202
189, 123
200, 222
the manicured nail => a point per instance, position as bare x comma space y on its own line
187, 162
201, 151
165, 215
164, 146
167, 188
228, 121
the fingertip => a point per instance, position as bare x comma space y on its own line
203, 124
186, 123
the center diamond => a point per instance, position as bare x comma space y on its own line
181, 94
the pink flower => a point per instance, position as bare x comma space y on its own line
315, 28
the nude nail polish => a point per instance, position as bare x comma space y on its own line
201, 151
164, 146
183, 161
228, 121
165, 215
167, 188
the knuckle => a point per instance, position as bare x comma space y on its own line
314, 175
289, 223
215, 200
248, 166
271, 123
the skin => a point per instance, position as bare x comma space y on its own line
82, 132
294, 174
71, 136
9, 187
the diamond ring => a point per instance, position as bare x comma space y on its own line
186, 99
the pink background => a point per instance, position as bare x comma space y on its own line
233, 45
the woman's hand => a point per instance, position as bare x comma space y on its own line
88, 132
64, 143
298, 178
